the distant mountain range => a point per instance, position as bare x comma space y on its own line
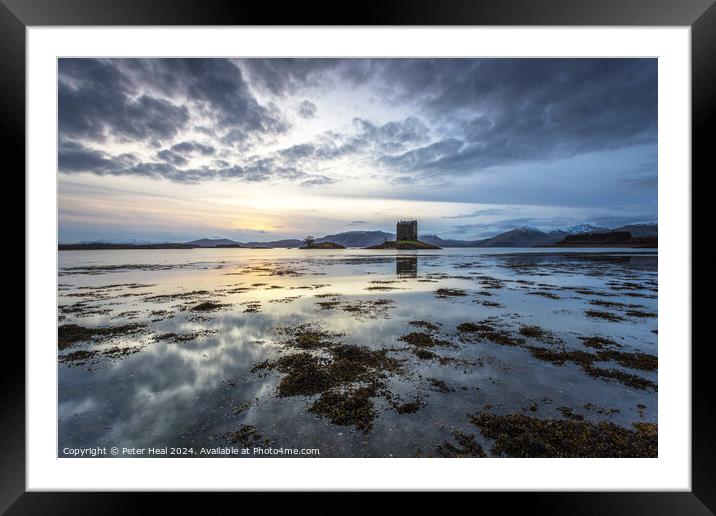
525, 236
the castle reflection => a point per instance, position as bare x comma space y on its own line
406, 266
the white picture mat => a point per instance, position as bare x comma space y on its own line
670, 471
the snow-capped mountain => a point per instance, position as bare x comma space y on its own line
584, 228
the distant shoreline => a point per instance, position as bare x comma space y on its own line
113, 247
99, 247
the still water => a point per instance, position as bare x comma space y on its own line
183, 348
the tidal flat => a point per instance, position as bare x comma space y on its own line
361, 353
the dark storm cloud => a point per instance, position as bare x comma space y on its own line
503, 111
75, 158
95, 99
284, 76
467, 115
143, 99
172, 157
307, 109
392, 136
297, 152
521, 110
189, 148
219, 87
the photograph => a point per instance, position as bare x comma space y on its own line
387, 257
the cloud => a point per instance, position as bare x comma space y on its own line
145, 99
404, 122
520, 110
500, 226
95, 101
425, 158
75, 158
482, 213
190, 147
307, 109
494, 112
284, 76
317, 180
172, 157
647, 181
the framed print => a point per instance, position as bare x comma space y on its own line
419, 252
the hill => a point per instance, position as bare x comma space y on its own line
213, 242
519, 237
640, 230
523, 237
607, 239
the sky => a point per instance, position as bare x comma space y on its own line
264, 149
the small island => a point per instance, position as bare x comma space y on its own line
406, 238
310, 243
404, 244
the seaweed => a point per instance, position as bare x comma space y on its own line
208, 306
308, 336
77, 357
585, 360
630, 380
639, 313
345, 376
533, 331
599, 342
517, 435
641, 361
248, 437
466, 447
568, 413
424, 354
486, 331
70, 334
350, 408
544, 293
409, 407
425, 325
359, 309
599, 314
440, 386
443, 293
423, 340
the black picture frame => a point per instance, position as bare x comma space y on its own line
700, 15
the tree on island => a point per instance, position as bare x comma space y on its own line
309, 241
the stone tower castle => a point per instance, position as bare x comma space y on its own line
406, 230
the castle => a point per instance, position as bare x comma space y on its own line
407, 230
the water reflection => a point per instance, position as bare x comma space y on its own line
406, 266
192, 380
